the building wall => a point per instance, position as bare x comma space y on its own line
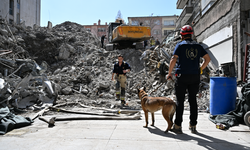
219, 30
155, 23
245, 4
4, 9
29, 11
204, 3
221, 15
94, 29
168, 27
220, 46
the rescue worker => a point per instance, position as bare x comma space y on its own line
162, 69
157, 42
152, 41
120, 70
145, 44
102, 39
187, 73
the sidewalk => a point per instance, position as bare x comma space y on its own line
127, 135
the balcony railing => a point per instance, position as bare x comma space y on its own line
181, 4
185, 16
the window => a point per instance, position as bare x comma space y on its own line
156, 32
101, 30
88, 29
207, 7
18, 18
157, 22
18, 4
169, 23
147, 22
166, 32
11, 21
11, 8
135, 23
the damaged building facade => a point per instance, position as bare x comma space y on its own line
27, 12
221, 26
97, 29
160, 25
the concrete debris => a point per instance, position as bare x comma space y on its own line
73, 67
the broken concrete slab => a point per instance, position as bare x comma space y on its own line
104, 85
67, 90
4, 32
26, 102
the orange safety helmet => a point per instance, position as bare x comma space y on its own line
187, 29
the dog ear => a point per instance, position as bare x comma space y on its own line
144, 88
138, 90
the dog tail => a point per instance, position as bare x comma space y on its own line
173, 109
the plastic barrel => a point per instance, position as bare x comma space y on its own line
223, 92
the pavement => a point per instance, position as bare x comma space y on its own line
125, 135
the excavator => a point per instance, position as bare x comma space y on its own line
121, 36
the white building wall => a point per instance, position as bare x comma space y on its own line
4, 8
220, 46
29, 11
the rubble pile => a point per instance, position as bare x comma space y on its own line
72, 66
41, 66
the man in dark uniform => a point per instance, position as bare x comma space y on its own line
102, 39
188, 71
157, 42
145, 43
120, 70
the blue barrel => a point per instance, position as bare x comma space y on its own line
223, 92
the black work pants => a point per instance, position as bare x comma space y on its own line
102, 43
189, 83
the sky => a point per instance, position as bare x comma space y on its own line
87, 12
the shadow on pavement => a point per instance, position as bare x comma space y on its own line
204, 140
157, 131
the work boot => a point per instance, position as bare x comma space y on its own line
117, 97
193, 129
176, 129
123, 102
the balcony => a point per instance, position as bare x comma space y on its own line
181, 4
185, 16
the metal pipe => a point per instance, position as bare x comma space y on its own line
5, 52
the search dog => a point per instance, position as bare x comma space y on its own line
153, 104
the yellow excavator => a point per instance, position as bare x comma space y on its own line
122, 36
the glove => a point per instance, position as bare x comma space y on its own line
201, 70
158, 65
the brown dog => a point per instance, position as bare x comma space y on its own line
153, 104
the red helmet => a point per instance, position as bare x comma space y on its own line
187, 29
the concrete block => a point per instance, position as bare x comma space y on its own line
49, 26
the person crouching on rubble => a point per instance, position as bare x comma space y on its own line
120, 69
162, 69
188, 70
